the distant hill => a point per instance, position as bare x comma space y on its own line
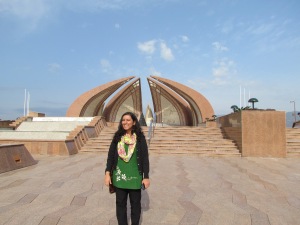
290, 118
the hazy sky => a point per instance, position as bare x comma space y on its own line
59, 49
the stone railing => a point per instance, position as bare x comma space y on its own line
81, 134
18, 121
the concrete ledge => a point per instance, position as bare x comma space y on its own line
47, 147
66, 126
37, 135
62, 119
14, 156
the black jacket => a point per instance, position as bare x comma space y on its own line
142, 157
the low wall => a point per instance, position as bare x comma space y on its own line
47, 147
211, 124
14, 156
36, 114
256, 132
4, 124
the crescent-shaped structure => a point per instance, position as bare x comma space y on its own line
91, 103
169, 107
127, 99
199, 105
174, 104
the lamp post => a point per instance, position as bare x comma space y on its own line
294, 109
252, 100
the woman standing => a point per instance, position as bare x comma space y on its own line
128, 160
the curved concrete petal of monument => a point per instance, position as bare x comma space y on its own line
201, 108
127, 99
91, 103
169, 107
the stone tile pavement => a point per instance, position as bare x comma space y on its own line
184, 190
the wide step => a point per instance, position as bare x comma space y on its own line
293, 142
198, 141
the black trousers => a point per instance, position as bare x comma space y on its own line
121, 205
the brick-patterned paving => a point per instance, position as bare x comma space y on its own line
68, 190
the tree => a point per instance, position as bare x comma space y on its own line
235, 108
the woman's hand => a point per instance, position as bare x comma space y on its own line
146, 182
107, 180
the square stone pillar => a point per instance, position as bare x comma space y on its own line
259, 133
263, 133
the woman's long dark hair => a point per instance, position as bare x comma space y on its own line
135, 128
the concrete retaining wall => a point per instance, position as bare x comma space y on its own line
14, 156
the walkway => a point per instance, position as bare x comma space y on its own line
184, 190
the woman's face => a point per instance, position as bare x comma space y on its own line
127, 123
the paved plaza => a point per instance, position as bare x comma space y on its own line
184, 190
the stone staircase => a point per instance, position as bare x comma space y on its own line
181, 140
100, 143
293, 142
199, 141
